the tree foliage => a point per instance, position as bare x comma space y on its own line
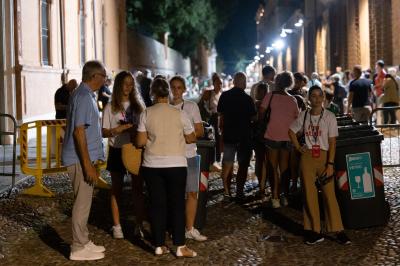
188, 21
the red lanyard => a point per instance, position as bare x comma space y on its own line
315, 130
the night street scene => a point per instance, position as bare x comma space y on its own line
200, 132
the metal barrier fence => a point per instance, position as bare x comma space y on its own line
391, 131
13, 135
51, 163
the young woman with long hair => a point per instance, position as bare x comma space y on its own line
120, 121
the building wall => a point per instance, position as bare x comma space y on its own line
147, 53
104, 37
395, 12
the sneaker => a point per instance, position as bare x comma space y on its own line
313, 238
117, 232
195, 234
284, 201
139, 232
95, 248
185, 252
161, 250
342, 238
86, 254
275, 203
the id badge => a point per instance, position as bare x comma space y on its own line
316, 151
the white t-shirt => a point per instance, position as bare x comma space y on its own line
157, 161
193, 113
327, 128
111, 120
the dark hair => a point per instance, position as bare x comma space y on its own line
329, 95
298, 76
357, 69
135, 99
380, 63
178, 78
284, 80
313, 88
260, 91
159, 88
268, 70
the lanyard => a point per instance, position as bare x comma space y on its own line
183, 104
123, 113
316, 131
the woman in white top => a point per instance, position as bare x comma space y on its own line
317, 159
120, 120
164, 131
178, 87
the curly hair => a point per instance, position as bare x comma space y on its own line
284, 80
135, 99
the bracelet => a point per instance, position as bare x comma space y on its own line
331, 163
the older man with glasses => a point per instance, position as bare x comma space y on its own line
82, 147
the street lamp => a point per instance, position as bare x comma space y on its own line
257, 46
278, 44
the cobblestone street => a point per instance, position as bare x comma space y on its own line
36, 231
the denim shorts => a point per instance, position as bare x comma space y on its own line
243, 152
277, 145
193, 174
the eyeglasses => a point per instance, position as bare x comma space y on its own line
101, 74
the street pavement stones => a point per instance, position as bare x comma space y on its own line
37, 231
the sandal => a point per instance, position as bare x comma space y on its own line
161, 251
185, 252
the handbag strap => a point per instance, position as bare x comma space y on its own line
304, 120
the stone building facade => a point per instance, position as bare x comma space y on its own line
335, 33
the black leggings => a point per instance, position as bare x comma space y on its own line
166, 187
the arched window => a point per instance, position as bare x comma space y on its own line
45, 31
82, 31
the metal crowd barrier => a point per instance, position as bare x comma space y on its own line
13, 135
391, 143
51, 163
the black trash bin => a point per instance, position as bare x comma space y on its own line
359, 177
206, 149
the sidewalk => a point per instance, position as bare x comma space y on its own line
37, 231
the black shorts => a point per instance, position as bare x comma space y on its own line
114, 160
277, 145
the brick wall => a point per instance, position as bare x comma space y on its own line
395, 30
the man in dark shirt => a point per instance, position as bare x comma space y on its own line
61, 98
359, 104
237, 110
104, 95
144, 84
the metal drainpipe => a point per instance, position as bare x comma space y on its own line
62, 35
94, 28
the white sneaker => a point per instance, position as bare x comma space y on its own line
284, 201
94, 248
117, 232
85, 254
275, 203
195, 234
185, 252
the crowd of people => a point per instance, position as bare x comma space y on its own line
287, 121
